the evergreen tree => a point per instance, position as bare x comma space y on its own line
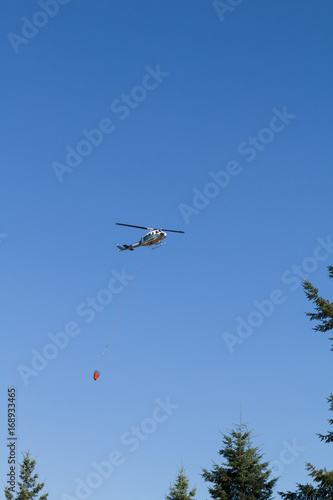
323, 307
328, 438
323, 479
244, 476
179, 490
28, 486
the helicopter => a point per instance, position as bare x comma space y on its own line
154, 237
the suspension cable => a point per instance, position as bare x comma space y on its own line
123, 304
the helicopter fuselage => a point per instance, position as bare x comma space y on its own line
154, 237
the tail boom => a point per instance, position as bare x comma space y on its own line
125, 247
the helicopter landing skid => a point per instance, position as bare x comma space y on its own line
158, 245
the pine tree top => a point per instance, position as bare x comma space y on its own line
29, 488
243, 475
179, 490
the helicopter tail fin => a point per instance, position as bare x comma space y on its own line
125, 247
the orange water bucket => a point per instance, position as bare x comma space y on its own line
96, 374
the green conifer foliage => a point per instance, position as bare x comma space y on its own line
328, 438
323, 479
323, 307
243, 476
179, 490
29, 488
322, 490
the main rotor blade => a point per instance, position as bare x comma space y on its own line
130, 225
149, 228
172, 231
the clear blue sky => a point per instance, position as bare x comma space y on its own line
216, 124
